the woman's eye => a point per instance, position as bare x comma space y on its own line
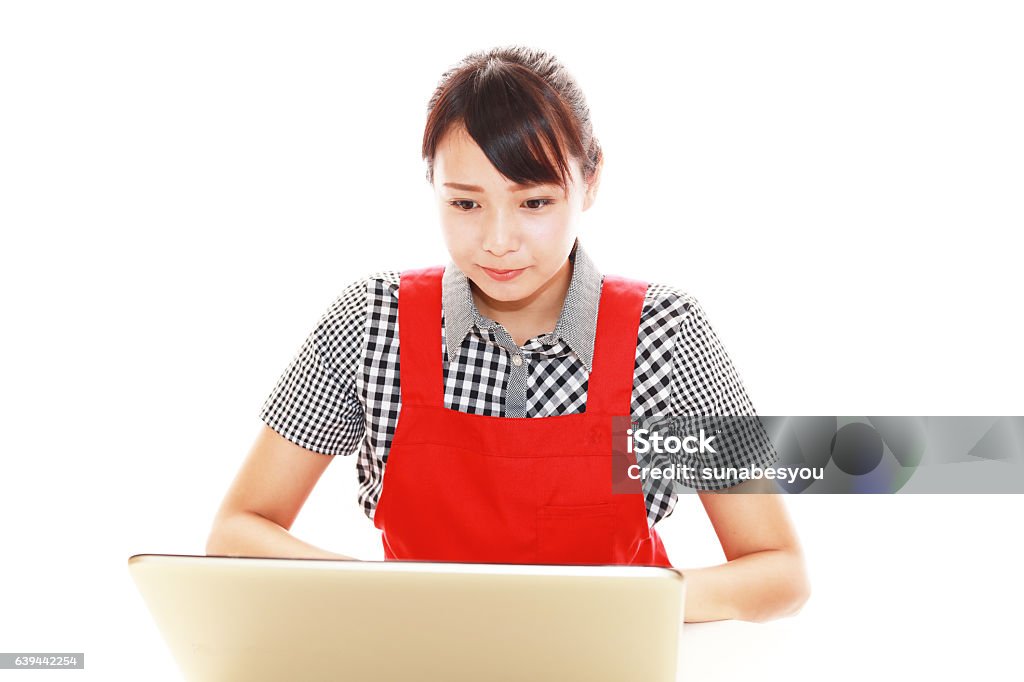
467, 205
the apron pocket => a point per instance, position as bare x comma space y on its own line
575, 534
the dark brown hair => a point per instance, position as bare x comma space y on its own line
522, 108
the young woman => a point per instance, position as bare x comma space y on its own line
480, 395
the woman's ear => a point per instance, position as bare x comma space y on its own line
595, 181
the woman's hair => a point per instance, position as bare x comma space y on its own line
522, 108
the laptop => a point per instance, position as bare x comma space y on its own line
255, 619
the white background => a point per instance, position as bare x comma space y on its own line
185, 187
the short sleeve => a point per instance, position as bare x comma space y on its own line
315, 403
705, 382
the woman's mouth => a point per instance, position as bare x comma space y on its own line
502, 275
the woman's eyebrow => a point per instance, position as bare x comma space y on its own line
517, 187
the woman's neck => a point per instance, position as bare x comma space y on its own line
536, 314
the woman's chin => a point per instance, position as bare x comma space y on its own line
506, 292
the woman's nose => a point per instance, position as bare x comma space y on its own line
501, 233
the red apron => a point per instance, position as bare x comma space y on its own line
533, 490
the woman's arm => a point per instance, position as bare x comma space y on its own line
260, 506
766, 576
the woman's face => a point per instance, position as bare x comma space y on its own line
491, 224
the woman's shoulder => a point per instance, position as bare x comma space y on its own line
668, 302
376, 283
671, 315
350, 306
383, 282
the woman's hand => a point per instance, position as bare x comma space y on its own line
264, 499
766, 576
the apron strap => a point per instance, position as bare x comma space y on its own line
610, 387
421, 353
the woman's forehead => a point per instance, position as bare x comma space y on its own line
458, 152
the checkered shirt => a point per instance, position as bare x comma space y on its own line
340, 394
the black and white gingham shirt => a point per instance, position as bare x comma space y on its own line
340, 394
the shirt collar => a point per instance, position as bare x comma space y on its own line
577, 322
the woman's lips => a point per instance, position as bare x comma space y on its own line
502, 275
